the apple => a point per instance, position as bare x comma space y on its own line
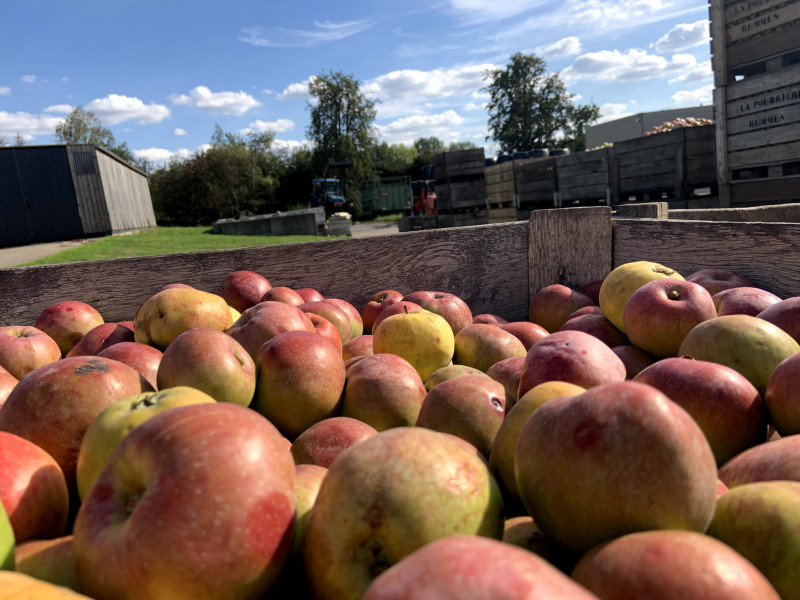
777, 460
598, 326
508, 371
743, 301
388, 496
717, 280
21, 585
481, 345
660, 314
384, 391
54, 405
489, 318
7, 383
585, 310
551, 305
309, 294
264, 321
394, 309
616, 459
521, 531
571, 356
321, 443
169, 313
243, 289
592, 289
781, 396
32, 489
623, 281
201, 498
750, 345
635, 359
359, 346
690, 565
460, 567
356, 323
450, 372
454, 310
760, 521
24, 348
786, 315
115, 421
211, 361
7, 542
333, 313
141, 357
102, 337
67, 322
471, 408
301, 376
49, 560
376, 304
326, 329
423, 338
307, 482
526, 332
282, 293
725, 405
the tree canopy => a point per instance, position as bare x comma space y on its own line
83, 127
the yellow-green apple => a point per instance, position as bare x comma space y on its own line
49, 560
450, 372
501, 455
471, 408
326, 329
356, 323
333, 313
394, 309
7, 542
481, 345
662, 312
141, 357
19, 585
264, 321
690, 566
67, 322
102, 337
109, 428
635, 359
211, 361
421, 337
777, 460
7, 383
521, 531
750, 345
24, 348
726, 406
619, 285
54, 405
282, 293
489, 318
760, 521
454, 310
243, 289
390, 495
309, 294
458, 567
301, 376
598, 326
592, 289
201, 498
508, 371
32, 489
743, 301
571, 356
786, 315
717, 280
615, 459
782, 396
359, 346
169, 313
384, 391
375, 305
321, 443
552, 304
308, 479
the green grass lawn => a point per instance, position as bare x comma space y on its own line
165, 240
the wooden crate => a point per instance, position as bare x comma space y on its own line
502, 215
501, 189
458, 164
416, 223
536, 185
465, 219
584, 177
461, 195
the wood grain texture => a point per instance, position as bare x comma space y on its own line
570, 246
782, 213
643, 210
767, 253
485, 265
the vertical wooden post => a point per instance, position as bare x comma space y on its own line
719, 61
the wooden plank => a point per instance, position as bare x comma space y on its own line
643, 210
784, 116
755, 139
718, 50
766, 253
735, 11
485, 265
570, 246
761, 47
764, 97
753, 157
643, 157
761, 191
760, 84
782, 213
763, 23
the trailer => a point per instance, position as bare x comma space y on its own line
386, 195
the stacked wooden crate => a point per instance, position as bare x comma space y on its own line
501, 192
536, 185
460, 188
584, 179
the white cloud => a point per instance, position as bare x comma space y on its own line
702, 95
407, 129
115, 108
633, 65
179, 131
225, 103
700, 72
474, 106
162, 156
64, 109
5, 91
480, 11
611, 111
274, 126
27, 125
296, 90
564, 47
28, 78
683, 36
323, 33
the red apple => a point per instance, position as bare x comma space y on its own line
359, 346
660, 314
208, 489
782, 396
481, 345
395, 309
526, 332
771, 461
356, 323
24, 348
7, 383
585, 310
333, 313
635, 359
598, 326
786, 315
552, 304
326, 329
592, 289
743, 301
377, 303
243, 289
141, 357
282, 293
321, 443
49, 560
264, 321
489, 318
67, 322
309, 294
508, 371
454, 310
717, 280
102, 337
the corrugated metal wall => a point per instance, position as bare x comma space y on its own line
127, 195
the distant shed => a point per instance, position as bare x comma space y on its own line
50, 193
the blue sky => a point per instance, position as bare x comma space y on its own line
160, 75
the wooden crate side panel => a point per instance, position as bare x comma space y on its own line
764, 191
501, 173
502, 215
460, 195
760, 47
763, 92
762, 21
627, 149
766, 253
735, 11
751, 157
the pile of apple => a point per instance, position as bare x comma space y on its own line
634, 438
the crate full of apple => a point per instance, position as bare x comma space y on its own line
634, 437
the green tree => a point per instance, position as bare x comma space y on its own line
529, 108
83, 127
394, 159
465, 145
427, 148
342, 127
